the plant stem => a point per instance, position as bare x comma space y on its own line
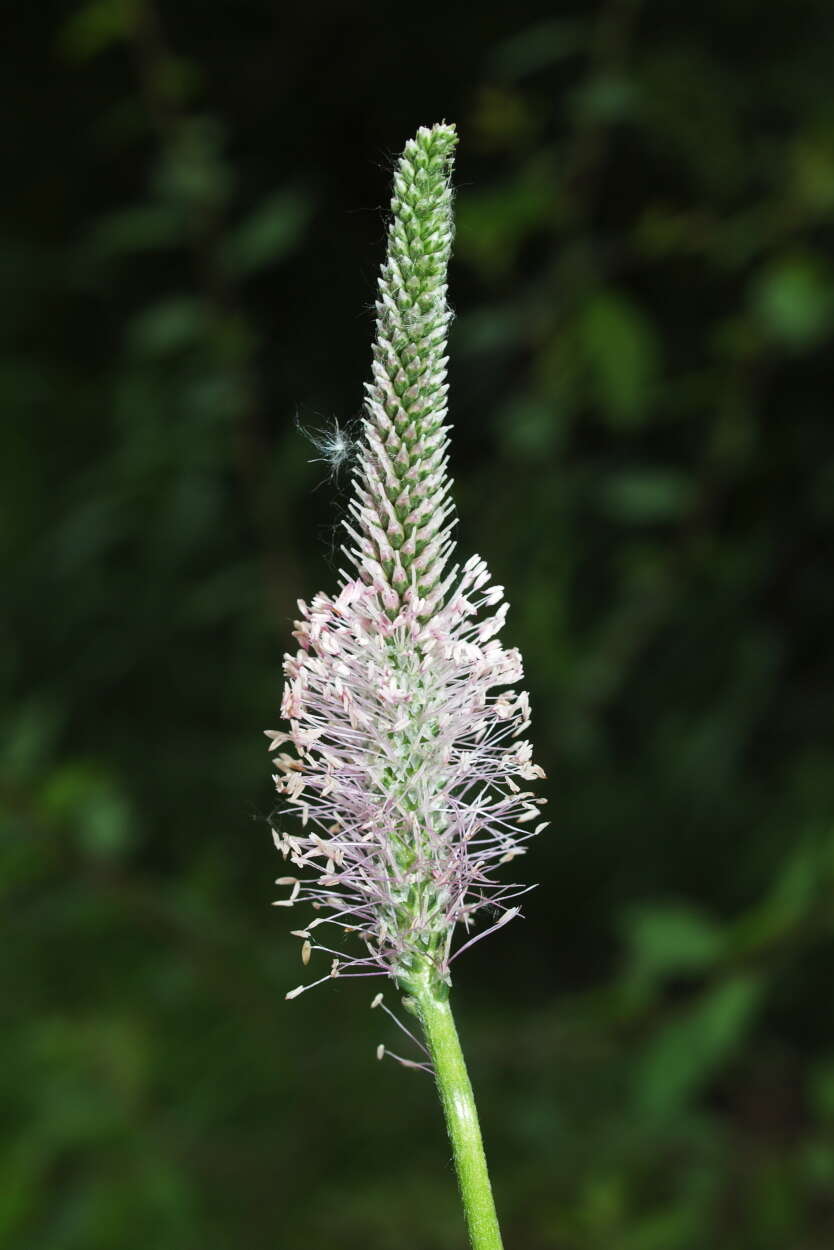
431, 1004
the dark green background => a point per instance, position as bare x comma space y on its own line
193, 217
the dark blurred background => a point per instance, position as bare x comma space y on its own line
192, 222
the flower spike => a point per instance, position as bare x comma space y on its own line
407, 767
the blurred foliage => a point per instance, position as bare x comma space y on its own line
643, 449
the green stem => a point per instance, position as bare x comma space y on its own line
431, 1004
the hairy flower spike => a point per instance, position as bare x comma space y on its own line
407, 768
402, 508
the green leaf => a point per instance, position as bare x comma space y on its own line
269, 234
687, 1052
84, 799
792, 300
669, 939
169, 326
539, 46
621, 352
647, 496
797, 889
193, 173
492, 225
95, 26
145, 228
605, 99
530, 428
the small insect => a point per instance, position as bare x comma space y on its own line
335, 443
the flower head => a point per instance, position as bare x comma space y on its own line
408, 768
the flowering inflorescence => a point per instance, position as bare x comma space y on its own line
407, 767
